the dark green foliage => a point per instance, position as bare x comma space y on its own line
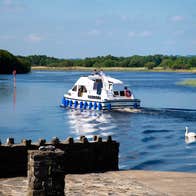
149, 65
42, 60
63, 63
8, 63
150, 62
192, 61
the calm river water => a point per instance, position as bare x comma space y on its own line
152, 139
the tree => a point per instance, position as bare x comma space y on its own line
180, 63
192, 61
8, 63
166, 63
150, 65
109, 63
136, 61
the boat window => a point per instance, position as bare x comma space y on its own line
84, 89
115, 92
74, 88
122, 93
81, 90
110, 86
94, 97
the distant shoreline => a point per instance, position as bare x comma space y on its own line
144, 69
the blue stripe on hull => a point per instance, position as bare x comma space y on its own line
109, 105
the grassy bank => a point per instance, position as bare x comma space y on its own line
157, 69
89, 68
191, 82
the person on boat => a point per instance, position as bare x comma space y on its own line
95, 72
99, 86
101, 73
127, 92
80, 92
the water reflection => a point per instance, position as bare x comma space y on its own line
5, 90
14, 99
90, 123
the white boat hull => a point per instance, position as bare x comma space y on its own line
69, 102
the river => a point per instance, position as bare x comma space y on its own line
152, 139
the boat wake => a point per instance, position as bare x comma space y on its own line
128, 110
186, 114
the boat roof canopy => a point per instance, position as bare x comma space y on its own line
113, 80
84, 80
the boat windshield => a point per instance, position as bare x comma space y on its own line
118, 87
81, 90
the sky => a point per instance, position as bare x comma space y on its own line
90, 28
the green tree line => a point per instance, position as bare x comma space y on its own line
22, 64
8, 63
150, 61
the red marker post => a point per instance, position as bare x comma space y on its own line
14, 75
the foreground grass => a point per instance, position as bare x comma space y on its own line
191, 82
157, 69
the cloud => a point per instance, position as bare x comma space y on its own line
34, 38
139, 34
12, 6
177, 18
94, 32
145, 34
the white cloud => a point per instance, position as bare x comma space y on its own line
94, 32
140, 34
145, 34
34, 38
177, 18
12, 6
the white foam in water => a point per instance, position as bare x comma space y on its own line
106, 134
121, 166
130, 110
105, 128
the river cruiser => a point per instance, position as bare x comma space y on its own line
100, 92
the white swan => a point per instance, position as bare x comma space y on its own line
189, 134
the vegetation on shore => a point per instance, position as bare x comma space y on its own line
149, 62
23, 64
9, 62
190, 82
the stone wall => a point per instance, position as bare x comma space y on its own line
45, 172
80, 156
